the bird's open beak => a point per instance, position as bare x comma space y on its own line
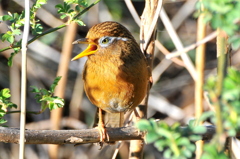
91, 49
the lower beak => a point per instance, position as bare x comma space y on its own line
91, 49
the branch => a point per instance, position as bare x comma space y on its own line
11, 135
83, 136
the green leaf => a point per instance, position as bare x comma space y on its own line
16, 32
187, 153
83, 3
143, 124
52, 106
235, 42
11, 105
35, 89
182, 141
2, 121
167, 154
63, 16
199, 129
206, 115
164, 132
2, 111
195, 137
46, 98
59, 6
5, 93
6, 17
55, 83
58, 101
152, 137
77, 8
160, 144
79, 22
10, 59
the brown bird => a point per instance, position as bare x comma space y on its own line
116, 73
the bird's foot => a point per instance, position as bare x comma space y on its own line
102, 132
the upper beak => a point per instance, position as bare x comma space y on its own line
91, 49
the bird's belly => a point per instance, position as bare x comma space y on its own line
110, 96
111, 93
113, 90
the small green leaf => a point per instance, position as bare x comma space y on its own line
6, 17
10, 59
77, 8
63, 16
5, 93
58, 101
79, 22
2, 121
182, 141
234, 41
143, 124
195, 137
59, 6
160, 144
16, 32
35, 89
164, 132
199, 129
152, 137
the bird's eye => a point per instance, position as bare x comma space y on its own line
105, 41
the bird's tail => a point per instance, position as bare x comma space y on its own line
114, 119
110, 119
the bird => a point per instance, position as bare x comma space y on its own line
116, 73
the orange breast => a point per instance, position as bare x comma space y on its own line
112, 85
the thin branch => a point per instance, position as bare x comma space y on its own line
193, 46
83, 136
200, 65
177, 42
152, 27
133, 11
166, 52
86, 9
221, 55
24, 80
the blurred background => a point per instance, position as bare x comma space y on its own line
171, 97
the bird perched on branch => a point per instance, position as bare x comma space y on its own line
116, 73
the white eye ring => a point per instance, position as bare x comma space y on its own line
107, 40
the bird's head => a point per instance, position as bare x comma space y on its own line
102, 36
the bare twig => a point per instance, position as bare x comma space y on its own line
11, 135
193, 46
24, 80
84, 136
166, 52
176, 40
200, 62
133, 11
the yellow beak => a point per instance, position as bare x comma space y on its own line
91, 49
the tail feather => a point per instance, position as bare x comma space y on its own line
114, 119
110, 119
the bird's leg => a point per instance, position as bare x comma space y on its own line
136, 114
101, 127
